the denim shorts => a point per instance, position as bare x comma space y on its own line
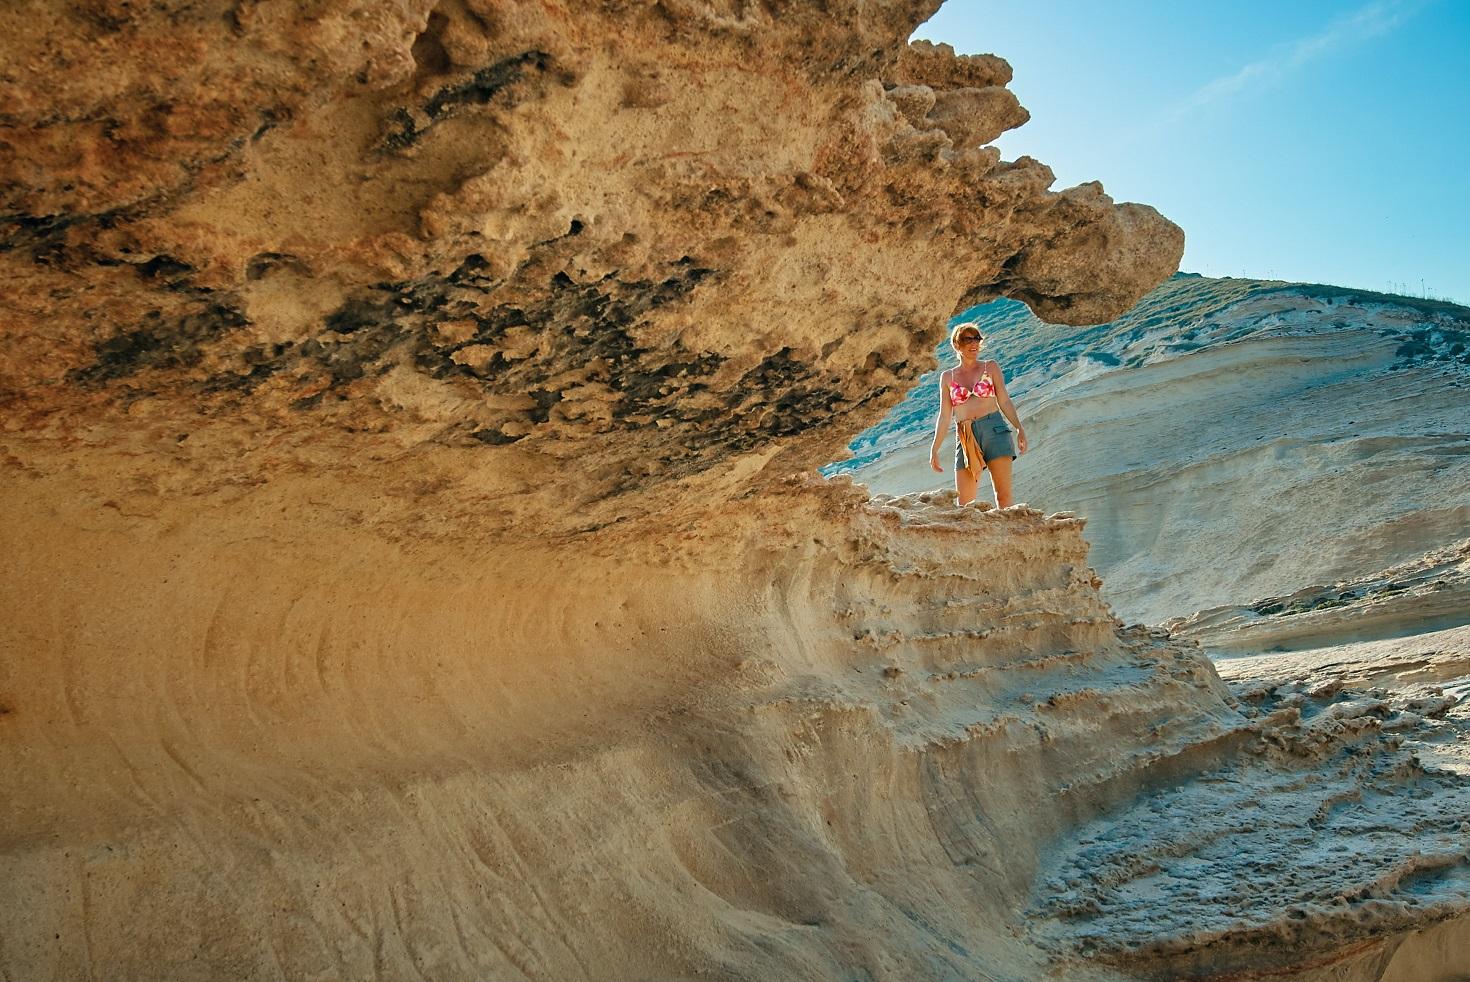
994, 436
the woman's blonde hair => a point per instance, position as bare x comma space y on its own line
954, 336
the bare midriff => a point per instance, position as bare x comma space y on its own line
984, 407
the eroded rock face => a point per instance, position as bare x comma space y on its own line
617, 243
822, 737
397, 400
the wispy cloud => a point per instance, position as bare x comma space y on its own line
1367, 22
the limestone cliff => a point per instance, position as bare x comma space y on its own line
1327, 438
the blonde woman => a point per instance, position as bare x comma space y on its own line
973, 393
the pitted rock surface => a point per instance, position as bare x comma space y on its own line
633, 242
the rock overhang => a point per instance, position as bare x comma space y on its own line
647, 243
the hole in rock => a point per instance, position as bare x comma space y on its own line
428, 49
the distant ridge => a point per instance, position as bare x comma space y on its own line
1166, 321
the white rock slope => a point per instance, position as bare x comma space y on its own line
1230, 439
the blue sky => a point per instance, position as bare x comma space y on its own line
1310, 140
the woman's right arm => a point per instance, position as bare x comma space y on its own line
941, 423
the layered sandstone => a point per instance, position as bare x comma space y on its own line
402, 572
1314, 506
831, 738
823, 735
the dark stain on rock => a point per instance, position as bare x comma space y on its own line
778, 389
493, 438
260, 362
407, 125
308, 402
360, 333
108, 19
775, 371
354, 315
470, 273
263, 263
269, 120
561, 328
18, 231
588, 327
582, 328
644, 391
232, 20
230, 382
544, 399
403, 131
348, 360
45, 235
780, 397
486, 83
164, 267
160, 343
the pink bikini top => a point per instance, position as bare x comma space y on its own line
984, 389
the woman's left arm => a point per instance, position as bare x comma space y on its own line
1009, 408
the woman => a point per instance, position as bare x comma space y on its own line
974, 393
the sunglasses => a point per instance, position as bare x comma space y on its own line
967, 338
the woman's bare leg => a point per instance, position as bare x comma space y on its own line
964, 486
1000, 479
